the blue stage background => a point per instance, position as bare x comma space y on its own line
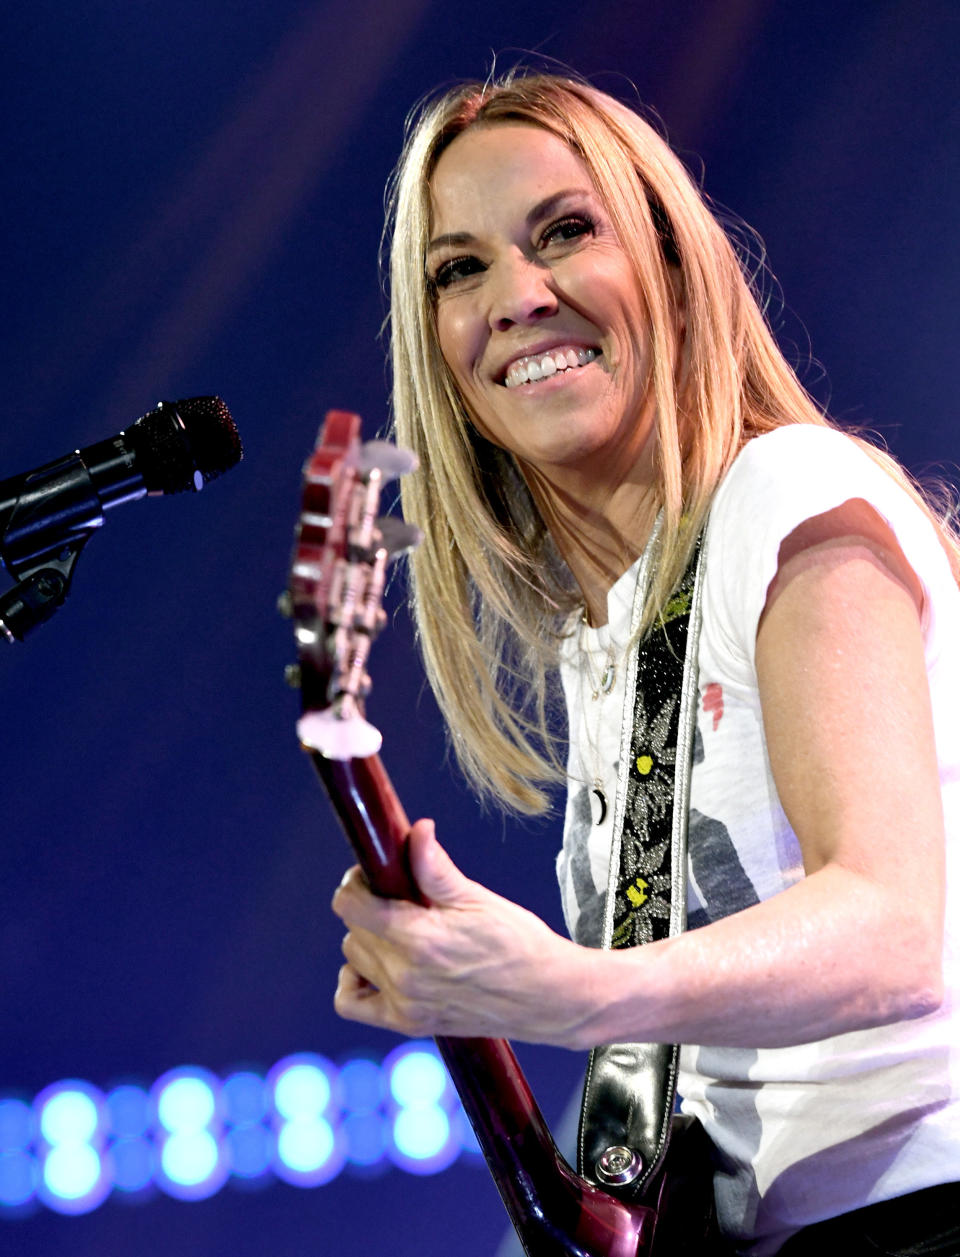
192, 204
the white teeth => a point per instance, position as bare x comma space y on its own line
527, 370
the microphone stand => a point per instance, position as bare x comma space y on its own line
41, 590
49, 523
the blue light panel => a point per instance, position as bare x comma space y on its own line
189, 1133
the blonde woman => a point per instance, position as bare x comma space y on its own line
588, 380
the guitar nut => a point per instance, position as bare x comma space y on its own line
618, 1166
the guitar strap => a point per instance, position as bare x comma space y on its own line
630, 1088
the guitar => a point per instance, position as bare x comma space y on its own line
340, 558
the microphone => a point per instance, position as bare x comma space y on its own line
177, 447
47, 515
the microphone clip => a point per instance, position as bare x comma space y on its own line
40, 591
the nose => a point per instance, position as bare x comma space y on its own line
521, 293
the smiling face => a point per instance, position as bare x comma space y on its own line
539, 313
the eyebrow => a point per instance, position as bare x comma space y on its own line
541, 210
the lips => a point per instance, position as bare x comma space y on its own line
544, 363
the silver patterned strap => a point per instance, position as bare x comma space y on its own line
630, 1088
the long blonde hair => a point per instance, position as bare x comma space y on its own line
490, 594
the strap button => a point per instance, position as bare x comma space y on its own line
619, 1166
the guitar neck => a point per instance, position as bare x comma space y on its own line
555, 1213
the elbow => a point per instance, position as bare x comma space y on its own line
907, 962
924, 996
918, 987
905, 996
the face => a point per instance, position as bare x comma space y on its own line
539, 315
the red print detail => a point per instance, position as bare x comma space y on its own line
713, 702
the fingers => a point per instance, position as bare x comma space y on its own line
361, 954
390, 943
441, 882
357, 906
356, 999
438, 878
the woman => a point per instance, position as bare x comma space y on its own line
589, 384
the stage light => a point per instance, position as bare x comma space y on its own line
245, 1101
252, 1149
365, 1137
70, 1119
130, 1111
190, 1132
363, 1093
309, 1149
19, 1173
185, 1100
244, 1098
192, 1165
361, 1085
416, 1074
131, 1164
16, 1125
422, 1138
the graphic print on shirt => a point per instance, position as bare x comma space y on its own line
586, 912
712, 702
718, 883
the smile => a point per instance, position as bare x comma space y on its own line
542, 366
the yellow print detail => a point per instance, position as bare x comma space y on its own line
644, 764
678, 605
637, 893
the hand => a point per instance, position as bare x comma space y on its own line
470, 963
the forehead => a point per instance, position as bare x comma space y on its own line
501, 168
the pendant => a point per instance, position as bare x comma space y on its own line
609, 676
598, 805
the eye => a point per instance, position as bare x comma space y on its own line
572, 227
454, 270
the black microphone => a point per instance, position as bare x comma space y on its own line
177, 447
48, 515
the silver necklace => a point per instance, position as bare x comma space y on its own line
600, 681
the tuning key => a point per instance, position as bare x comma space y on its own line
293, 675
285, 604
385, 457
397, 536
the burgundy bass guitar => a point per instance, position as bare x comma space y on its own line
340, 557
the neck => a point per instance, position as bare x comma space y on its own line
600, 529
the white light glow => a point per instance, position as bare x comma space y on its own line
71, 1170
301, 1087
69, 1116
190, 1158
417, 1078
187, 1103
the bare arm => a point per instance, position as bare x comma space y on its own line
857, 943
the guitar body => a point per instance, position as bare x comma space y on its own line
336, 580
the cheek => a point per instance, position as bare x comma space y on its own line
453, 337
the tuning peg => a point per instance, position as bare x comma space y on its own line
293, 676
285, 604
385, 457
337, 737
397, 536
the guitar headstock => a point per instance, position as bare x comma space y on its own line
337, 578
